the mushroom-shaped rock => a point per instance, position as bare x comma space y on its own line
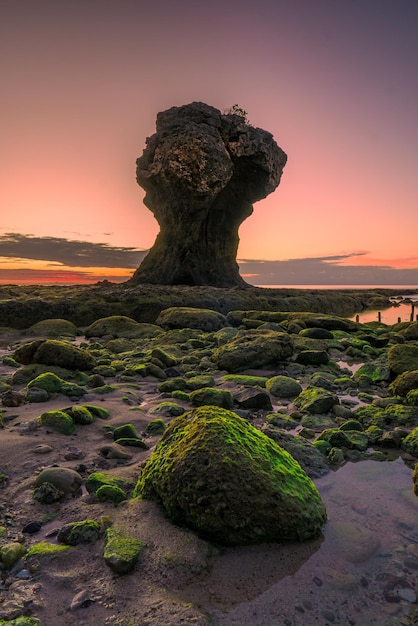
202, 171
216, 473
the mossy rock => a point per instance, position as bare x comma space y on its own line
310, 459
401, 415
410, 332
200, 381
323, 446
217, 474
324, 380
125, 430
55, 352
374, 433
53, 328
410, 443
59, 421
111, 493
98, 479
316, 400
155, 427
404, 383
80, 414
412, 397
48, 381
370, 415
98, 411
177, 394
283, 387
312, 357
74, 533
121, 326
10, 553
212, 396
246, 380
377, 371
28, 372
403, 358
121, 552
316, 333
351, 424
281, 420
187, 317
164, 357
351, 439
252, 349
172, 384
168, 408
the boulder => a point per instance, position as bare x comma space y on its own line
316, 400
216, 473
252, 349
189, 317
202, 171
403, 358
54, 352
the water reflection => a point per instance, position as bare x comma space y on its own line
403, 308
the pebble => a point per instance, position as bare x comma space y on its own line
80, 600
42, 448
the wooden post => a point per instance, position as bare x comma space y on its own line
357, 318
399, 320
412, 312
379, 316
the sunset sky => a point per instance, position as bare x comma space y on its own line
335, 82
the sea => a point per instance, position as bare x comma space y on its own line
403, 309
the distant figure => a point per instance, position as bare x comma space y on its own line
202, 171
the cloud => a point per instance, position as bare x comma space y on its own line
327, 270
68, 252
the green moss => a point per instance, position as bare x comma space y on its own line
121, 552
410, 443
59, 421
215, 472
200, 381
74, 533
412, 397
211, 396
323, 446
172, 384
10, 553
10, 362
281, 420
401, 415
403, 358
253, 348
180, 395
316, 400
53, 328
370, 415
168, 408
283, 387
21, 621
98, 479
48, 381
246, 380
155, 427
80, 414
110, 493
44, 548
404, 383
105, 389
187, 317
98, 411
378, 371
125, 430
121, 326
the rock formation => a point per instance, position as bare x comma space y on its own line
202, 171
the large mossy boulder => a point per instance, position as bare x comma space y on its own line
283, 387
188, 317
253, 349
403, 358
216, 473
54, 352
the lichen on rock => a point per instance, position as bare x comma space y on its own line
217, 474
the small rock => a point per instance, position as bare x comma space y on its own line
80, 600
42, 448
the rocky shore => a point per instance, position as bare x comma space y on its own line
100, 385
